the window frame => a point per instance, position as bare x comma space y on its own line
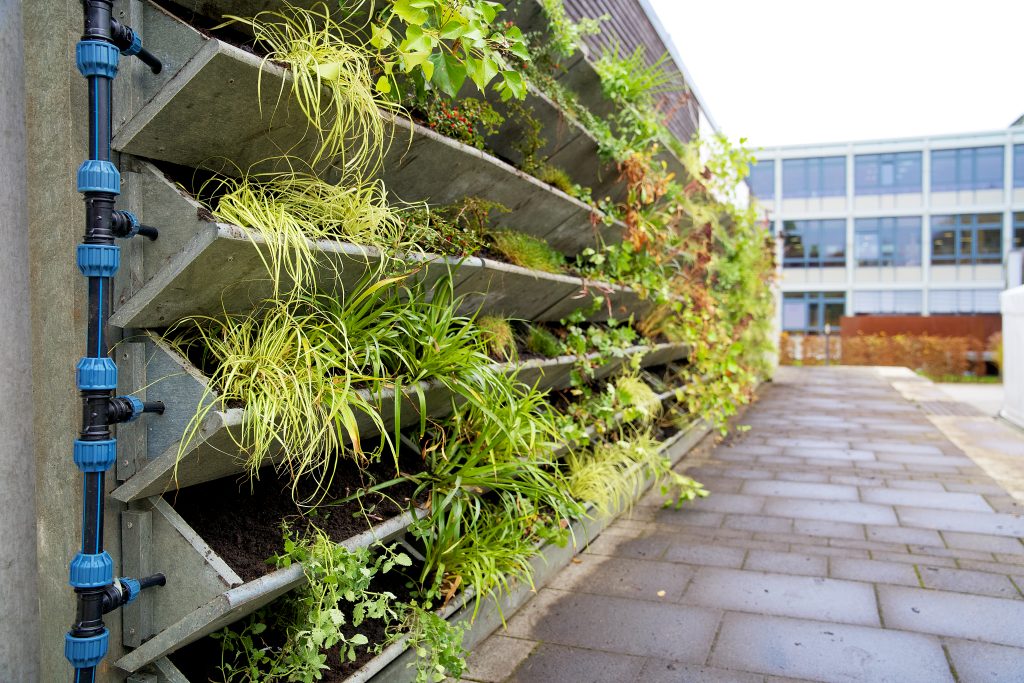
813, 172
893, 226
820, 301
816, 226
760, 168
963, 226
965, 174
864, 162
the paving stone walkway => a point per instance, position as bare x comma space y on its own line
847, 538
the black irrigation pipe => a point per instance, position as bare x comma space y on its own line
92, 569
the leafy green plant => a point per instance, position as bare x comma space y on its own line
284, 213
639, 402
542, 342
332, 83
469, 120
501, 342
631, 79
527, 251
436, 642
311, 618
565, 35
441, 43
456, 229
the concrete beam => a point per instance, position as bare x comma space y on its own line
19, 629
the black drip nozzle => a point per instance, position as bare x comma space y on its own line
154, 580
128, 42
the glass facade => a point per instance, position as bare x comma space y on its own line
814, 244
897, 173
810, 311
887, 241
762, 179
971, 168
1018, 230
814, 177
1018, 165
963, 301
967, 239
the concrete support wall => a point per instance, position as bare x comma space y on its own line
1013, 355
19, 627
55, 107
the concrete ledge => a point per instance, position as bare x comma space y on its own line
218, 92
213, 452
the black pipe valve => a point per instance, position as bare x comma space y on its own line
130, 408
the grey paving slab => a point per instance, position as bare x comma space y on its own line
709, 555
559, 663
783, 595
828, 652
973, 617
494, 659
986, 663
985, 542
640, 579
926, 499
786, 563
968, 581
662, 671
792, 489
873, 571
996, 524
915, 485
902, 535
758, 523
618, 625
837, 511
728, 502
829, 529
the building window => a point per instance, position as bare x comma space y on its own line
1018, 165
762, 179
814, 244
973, 168
811, 311
887, 173
814, 177
1018, 230
887, 241
887, 302
967, 239
960, 301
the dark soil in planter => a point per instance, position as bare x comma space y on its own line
199, 661
241, 521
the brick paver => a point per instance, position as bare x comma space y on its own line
853, 534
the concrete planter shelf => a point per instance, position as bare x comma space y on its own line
204, 594
392, 665
217, 92
198, 267
214, 453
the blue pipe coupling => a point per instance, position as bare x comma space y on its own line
95, 456
91, 571
98, 176
84, 653
96, 58
96, 374
99, 260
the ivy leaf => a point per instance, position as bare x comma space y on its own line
490, 10
380, 37
482, 71
416, 40
454, 29
383, 85
449, 74
409, 12
513, 86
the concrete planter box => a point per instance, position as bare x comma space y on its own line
198, 267
213, 452
392, 665
217, 92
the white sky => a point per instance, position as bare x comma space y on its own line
781, 72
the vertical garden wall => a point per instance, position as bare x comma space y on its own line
437, 292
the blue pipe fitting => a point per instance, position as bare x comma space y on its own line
95, 456
96, 58
96, 374
84, 653
134, 221
91, 571
137, 407
133, 588
99, 176
99, 260
136, 45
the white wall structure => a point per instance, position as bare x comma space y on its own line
1013, 359
884, 210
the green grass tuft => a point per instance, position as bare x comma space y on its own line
526, 251
542, 342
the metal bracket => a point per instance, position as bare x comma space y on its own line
136, 546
